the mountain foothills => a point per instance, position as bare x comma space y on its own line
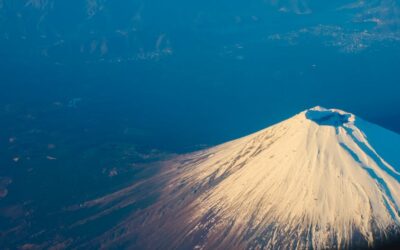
103, 31
323, 179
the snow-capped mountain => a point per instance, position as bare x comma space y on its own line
323, 179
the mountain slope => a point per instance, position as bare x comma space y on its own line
312, 181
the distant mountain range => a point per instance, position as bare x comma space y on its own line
95, 31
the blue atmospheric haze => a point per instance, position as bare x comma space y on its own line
199, 72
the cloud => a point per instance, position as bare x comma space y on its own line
346, 40
93, 7
38, 4
299, 7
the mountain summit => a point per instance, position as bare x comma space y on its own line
323, 179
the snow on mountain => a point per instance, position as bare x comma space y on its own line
323, 179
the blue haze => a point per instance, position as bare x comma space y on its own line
224, 78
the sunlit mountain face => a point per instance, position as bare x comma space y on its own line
314, 181
322, 179
102, 104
